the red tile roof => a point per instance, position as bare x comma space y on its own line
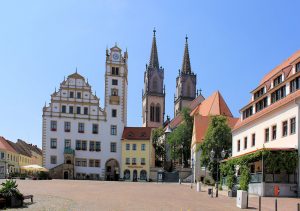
137, 133
5, 145
212, 106
280, 67
269, 109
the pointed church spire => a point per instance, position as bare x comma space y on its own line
154, 56
186, 64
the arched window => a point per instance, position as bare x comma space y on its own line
143, 175
152, 112
127, 174
157, 113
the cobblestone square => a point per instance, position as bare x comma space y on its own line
119, 196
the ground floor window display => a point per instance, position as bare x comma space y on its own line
135, 175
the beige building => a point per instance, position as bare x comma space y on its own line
270, 121
138, 153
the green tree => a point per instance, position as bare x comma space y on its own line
218, 137
158, 145
180, 139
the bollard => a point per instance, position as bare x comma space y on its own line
198, 187
259, 203
275, 204
179, 181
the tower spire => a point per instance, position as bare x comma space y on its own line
154, 56
186, 64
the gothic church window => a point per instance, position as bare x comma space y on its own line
152, 113
157, 113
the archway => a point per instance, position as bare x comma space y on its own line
112, 170
134, 176
66, 175
127, 174
143, 175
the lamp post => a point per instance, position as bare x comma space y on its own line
167, 150
192, 179
218, 159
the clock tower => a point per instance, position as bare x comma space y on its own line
153, 94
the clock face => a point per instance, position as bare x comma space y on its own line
116, 56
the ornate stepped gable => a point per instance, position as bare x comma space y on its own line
74, 91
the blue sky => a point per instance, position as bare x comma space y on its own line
232, 45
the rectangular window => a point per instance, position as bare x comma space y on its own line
97, 163
78, 95
298, 67
260, 105
80, 162
95, 128
245, 142
253, 140
53, 143
128, 161
259, 93
248, 112
114, 112
143, 162
113, 130
113, 147
78, 144
278, 94
83, 145
63, 109
114, 82
92, 146
78, 110
80, 127
143, 147
98, 146
53, 159
115, 71
238, 145
85, 110
67, 126
284, 128
267, 137
127, 147
133, 146
53, 125
2, 155
295, 84
293, 125
67, 143
71, 110
91, 163
71, 95
274, 128
133, 162
277, 80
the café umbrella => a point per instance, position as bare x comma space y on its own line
34, 168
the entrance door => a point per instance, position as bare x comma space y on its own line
66, 175
112, 170
134, 175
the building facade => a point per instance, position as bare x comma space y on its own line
9, 159
153, 95
271, 122
80, 139
137, 153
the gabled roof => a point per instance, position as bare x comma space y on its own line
137, 133
213, 105
4, 144
19, 149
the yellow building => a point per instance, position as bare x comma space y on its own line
137, 153
8, 159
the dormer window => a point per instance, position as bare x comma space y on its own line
259, 93
115, 71
298, 67
277, 80
248, 112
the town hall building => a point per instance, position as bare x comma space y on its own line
81, 140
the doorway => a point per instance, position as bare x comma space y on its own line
66, 175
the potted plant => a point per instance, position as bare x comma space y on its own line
242, 194
10, 192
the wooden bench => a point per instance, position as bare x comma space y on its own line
28, 197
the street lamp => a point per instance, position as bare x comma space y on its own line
212, 156
192, 178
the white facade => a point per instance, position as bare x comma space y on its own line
93, 147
